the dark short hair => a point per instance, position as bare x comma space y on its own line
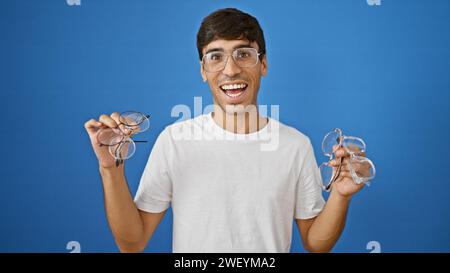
230, 24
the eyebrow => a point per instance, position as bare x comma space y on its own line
222, 50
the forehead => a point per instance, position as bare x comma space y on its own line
228, 45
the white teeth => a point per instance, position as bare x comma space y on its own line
234, 95
233, 86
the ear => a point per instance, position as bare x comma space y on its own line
264, 66
203, 72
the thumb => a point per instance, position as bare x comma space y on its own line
92, 126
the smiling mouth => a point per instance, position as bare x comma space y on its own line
234, 90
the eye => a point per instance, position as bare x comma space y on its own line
243, 54
215, 56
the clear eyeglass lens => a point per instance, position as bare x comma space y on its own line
123, 150
143, 126
109, 136
326, 173
131, 118
354, 145
136, 122
330, 139
362, 169
243, 57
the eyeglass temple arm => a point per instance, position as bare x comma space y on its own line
335, 176
118, 160
327, 188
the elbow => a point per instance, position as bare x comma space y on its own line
313, 249
127, 249
318, 247
130, 247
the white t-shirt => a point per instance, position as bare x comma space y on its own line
231, 192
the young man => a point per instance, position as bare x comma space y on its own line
226, 192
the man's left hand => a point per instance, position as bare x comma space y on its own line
344, 184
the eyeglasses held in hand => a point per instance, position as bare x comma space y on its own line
361, 168
121, 146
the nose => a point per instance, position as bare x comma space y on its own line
231, 68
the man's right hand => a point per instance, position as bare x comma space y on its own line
131, 227
92, 126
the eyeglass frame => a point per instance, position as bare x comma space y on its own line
258, 54
353, 154
125, 137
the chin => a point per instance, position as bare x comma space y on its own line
238, 109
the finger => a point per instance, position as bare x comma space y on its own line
341, 152
116, 117
356, 150
339, 161
108, 121
345, 167
344, 174
92, 125
335, 147
334, 163
362, 169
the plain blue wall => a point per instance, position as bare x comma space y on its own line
379, 72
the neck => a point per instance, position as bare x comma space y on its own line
242, 122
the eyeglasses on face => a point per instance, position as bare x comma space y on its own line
215, 61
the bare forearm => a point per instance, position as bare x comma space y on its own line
328, 226
123, 216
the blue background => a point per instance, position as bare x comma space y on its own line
379, 72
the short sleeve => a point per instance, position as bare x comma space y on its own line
309, 199
154, 193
